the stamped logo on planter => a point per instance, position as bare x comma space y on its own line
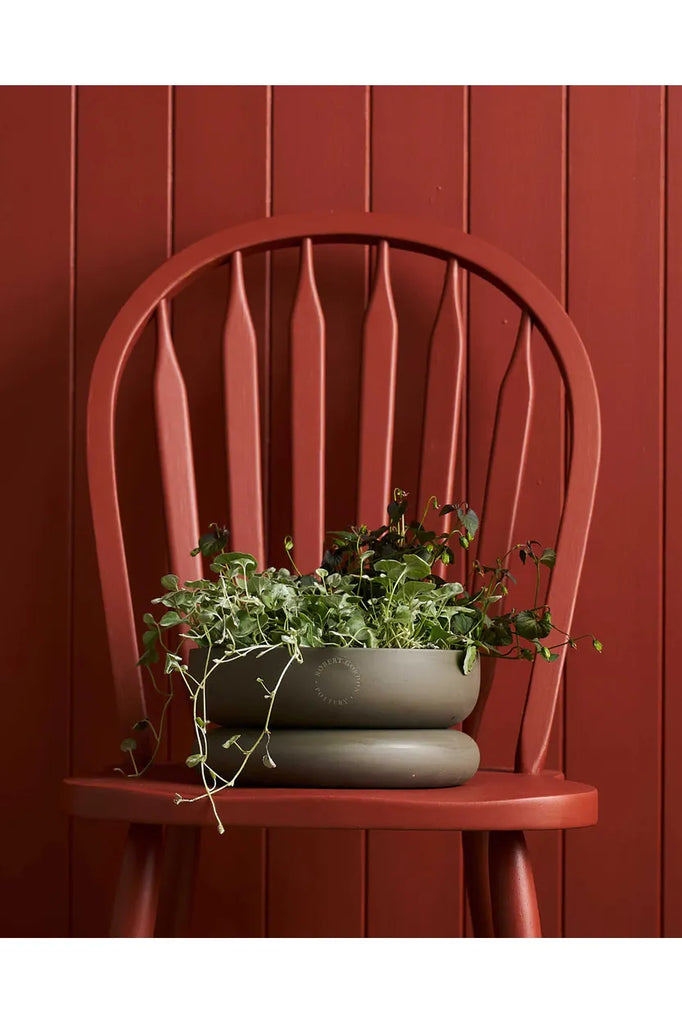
337, 681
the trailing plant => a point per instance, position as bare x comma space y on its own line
375, 588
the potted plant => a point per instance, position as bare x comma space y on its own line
348, 676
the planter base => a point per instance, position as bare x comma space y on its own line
349, 758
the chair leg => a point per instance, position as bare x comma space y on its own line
178, 875
512, 889
137, 894
475, 850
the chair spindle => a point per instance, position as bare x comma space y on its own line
379, 364
308, 415
175, 452
242, 419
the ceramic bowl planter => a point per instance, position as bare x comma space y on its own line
344, 717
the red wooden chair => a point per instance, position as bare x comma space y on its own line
495, 808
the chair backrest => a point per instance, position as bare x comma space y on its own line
458, 253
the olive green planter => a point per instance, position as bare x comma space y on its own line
342, 688
349, 758
345, 717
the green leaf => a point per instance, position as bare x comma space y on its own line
128, 744
396, 509
170, 582
413, 587
149, 620
469, 521
548, 557
417, 568
463, 542
462, 624
194, 759
469, 660
173, 662
598, 646
529, 628
141, 725
232, 740
239, 560
170, 619
393, 569
149, 657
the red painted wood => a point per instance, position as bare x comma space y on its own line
221, 176
177, 885
122, 233
35, 369
175, 453
490, 800
672, 562
320, 164
515, 906
517, 201
413, 885
308, 416
377, 400
243, 420
613, 732
505, 477
431, 122
137, 894
320, 913
566, 345
477, 881
444, 392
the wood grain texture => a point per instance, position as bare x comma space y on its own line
319, 164
612, 880
516, 202
672, 699
35, 384
221, 176
422, 130
124, 201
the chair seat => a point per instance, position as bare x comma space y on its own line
492, 800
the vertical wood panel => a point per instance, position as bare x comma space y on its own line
122, 222
319, 163
35, 517
221, 177
672, 706
613, 708
516, 202
418, 167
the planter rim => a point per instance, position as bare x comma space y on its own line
344, 647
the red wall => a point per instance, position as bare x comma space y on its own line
583, 185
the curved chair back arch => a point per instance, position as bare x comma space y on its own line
457, 251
